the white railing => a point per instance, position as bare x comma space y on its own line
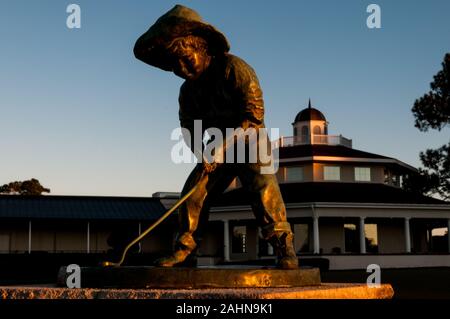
332, 140
287, 141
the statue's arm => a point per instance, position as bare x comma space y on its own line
248, 96
187, 117
248, 93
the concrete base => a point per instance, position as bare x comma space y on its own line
323, 291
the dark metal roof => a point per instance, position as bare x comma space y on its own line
334, 192
80, 207
310, 114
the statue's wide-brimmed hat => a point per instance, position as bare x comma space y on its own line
180, 21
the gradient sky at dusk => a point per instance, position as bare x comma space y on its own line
81, 114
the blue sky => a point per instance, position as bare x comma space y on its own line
81, 114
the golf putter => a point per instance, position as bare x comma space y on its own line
151, 227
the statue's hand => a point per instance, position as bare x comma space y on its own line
209, 167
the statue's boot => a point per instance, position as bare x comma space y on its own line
283, 245
183, 255
281, 238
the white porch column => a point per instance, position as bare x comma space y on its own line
407, 235
316, 240
88, 231
226, 240
362, 236
29, 237
448, 234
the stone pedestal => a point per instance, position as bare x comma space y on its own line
197, 283
323, 291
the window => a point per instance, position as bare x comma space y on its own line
387, 177
305, 134
362, 174
395, 180
5, 243
437, 239
331, 173
305, 130
351, 238
239, 241
371, 232
294, 174
318, 137
301, 237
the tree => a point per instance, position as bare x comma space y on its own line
421, 183
432, 110
437, 164
29, 187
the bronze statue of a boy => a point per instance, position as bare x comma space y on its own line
222, 91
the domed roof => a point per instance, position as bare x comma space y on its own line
310, 114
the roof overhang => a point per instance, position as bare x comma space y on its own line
338, 209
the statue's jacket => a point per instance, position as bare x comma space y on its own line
226, 95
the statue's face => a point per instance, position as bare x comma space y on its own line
190, 57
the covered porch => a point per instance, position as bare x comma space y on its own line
349, 235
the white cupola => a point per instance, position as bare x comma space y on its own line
307, 123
